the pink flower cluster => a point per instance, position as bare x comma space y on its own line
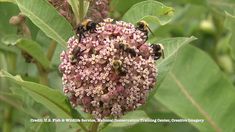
63, 7
98, 9
92, 81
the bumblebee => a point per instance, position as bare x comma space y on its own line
76, 53
158, 51
86, 26
126, 47
131, 51
144, 27
119, 69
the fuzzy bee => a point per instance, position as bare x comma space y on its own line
76, 53
86, 26
144, 27
126, 47
119, 69
158, 51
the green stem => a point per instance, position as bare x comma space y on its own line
51, 50
83, 127
94, 127
81, 10
43, 74
7, 119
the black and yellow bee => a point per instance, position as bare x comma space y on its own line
144, 27
86, 26
158, 51
76, 53
119, 69
126, 47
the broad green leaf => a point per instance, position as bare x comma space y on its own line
29, 46
197, 2
10, 39
5, 48
43, 15
171, 47
35, 50
122, 6
158, 126
52, 99
41, 126
197, 89
7, 10
11, 99
16, 102
12, 1
151, 11
138, 114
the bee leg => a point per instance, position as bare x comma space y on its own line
80, 37
146, 38
83, 35
157, 55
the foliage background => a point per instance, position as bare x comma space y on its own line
196, 79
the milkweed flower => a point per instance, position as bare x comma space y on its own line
90, 78
64, 9
98, 9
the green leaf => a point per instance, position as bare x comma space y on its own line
29, 46
16, 102
150, 11
138, 114
75, 7
222, 5
197, 89
52, 99
35, 50
43, 15
122, 6
7, 11
12, 1
41, 126
230, 25
171, 47
11, 99
159, 126
197, 2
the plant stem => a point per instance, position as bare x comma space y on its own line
7, 119
94, 127
81, 10
51, 50
83, 127
43, 74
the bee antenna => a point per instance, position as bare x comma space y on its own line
150, 31
163, 55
